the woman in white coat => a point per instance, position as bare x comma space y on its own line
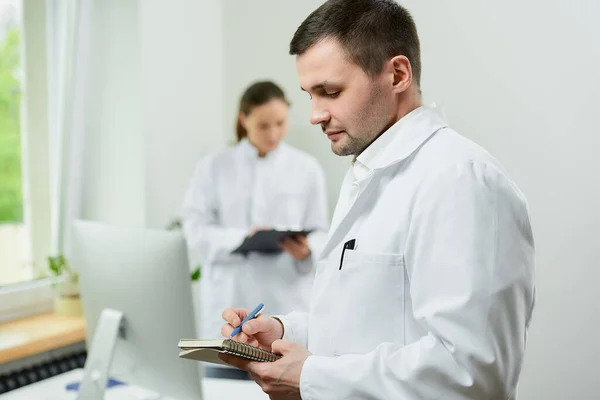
259, 183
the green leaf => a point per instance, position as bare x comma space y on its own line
174, 225
196, 274
54, 265
59, 265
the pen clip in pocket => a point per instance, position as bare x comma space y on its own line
349, 245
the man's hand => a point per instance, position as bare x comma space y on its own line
261, 331
296, 246
279, 379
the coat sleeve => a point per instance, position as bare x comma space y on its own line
206, 238
469, 258
316, 217
295, 327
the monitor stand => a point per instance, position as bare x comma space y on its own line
97, 365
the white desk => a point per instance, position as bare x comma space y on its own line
54, 389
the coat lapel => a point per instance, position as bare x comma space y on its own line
408, 138
338, 231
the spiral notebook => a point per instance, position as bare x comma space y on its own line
208, 349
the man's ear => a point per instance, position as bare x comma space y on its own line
401, 71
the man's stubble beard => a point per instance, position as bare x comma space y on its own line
370, 130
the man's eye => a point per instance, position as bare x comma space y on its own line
333, 95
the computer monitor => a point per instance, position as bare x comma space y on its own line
144, 275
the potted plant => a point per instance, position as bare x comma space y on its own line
66, 284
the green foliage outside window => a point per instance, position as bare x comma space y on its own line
11, 198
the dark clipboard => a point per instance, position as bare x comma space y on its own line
267, 241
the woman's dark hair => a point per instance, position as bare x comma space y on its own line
257, 94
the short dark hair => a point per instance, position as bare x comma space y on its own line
255, 95
370, 32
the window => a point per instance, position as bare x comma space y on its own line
15, 263
24, 176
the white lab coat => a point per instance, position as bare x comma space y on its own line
230, 193
436, 298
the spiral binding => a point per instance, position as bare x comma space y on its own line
249, 352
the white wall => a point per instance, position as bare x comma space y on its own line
521, 79
182, 79
114, 170
155, 106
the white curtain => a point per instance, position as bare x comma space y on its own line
68, 54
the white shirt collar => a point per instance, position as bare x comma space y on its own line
364, 163
252, 152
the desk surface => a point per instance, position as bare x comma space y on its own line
54, 389
33, 335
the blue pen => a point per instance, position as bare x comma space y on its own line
250, 316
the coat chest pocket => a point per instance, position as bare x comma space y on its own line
370, 301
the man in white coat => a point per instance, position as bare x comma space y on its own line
425, 286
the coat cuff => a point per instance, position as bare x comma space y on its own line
295, 327
314, 370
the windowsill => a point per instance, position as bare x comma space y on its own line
26, 299
38, 334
